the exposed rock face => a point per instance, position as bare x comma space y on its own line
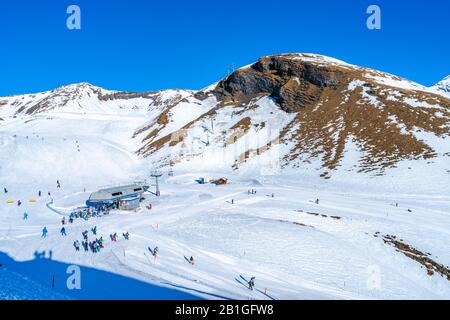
293, 83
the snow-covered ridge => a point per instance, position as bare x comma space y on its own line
321, 59
442, 87
85, 98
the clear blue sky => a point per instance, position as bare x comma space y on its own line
142, 45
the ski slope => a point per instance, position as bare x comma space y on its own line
296, 248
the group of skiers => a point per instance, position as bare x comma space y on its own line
95, 245
88, 213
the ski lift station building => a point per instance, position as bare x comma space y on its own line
125, 197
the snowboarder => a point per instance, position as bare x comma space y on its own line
25, 216
76, 244
44, 232
251, 283
63, 231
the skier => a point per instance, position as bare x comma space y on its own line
94, 230
5, 190
19, 203
44, 232
251, 283
100, 244
25, 216
58, 185
155, 252
317, 201
63, 231
76, 244
85, 235
39, 193
126, 235
191, 260
85, 246
63, 221
49, 193
71, 219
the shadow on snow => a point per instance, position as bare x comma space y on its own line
95, 284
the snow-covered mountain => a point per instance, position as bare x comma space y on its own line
297, 128
443, 86
295, 110
86, 98
314, 109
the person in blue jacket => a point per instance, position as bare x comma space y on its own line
44, 232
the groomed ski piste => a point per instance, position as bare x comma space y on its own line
295, 246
